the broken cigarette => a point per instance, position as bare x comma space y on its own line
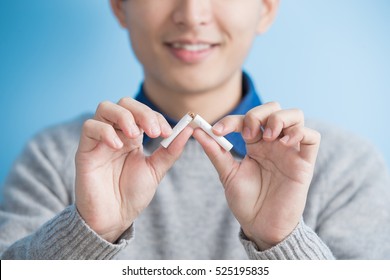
177, 129
200, 122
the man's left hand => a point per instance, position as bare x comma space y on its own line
267, 190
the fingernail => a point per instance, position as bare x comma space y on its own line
285, 139
218, 127
134, 130
118, 143
155, 129
247, 133
166, 130
267, 133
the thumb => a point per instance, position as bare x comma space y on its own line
163, 158
222, 160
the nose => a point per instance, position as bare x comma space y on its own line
192, 13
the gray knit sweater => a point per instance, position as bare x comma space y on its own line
347, 215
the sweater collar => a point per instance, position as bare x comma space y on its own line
249, 100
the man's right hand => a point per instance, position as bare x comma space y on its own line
115, 181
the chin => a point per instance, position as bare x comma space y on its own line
197, 81
195, 86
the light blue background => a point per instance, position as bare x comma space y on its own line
59, 59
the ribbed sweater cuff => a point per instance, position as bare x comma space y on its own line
302, 244
67, 236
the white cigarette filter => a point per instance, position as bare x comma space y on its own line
222, 141
200, 122
179, 127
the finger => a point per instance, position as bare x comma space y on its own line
163, 158
229, 124
278, 121
94, 132
146, 118
222, 160
166, 129
256, 119
119, 117
308, 141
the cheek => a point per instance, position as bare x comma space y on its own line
242, 15
241, 40
241, 26
141, 37
246, 26
138, 44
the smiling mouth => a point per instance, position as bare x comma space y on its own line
191, 52
198, 47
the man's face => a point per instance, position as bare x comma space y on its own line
192, 46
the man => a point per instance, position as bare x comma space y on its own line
194, 199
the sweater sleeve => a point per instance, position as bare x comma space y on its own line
302, 244
66, 236
347, 215
38, 218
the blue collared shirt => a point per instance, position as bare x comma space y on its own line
249, 100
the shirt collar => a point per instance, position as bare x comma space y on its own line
249, 100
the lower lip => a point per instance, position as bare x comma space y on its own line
190, 56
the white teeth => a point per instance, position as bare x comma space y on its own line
191, 47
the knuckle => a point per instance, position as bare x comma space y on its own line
299, 113
103, 105
159, 116
124, 100
251, 115
274, 105
317, 135
297, 130
275, 118
88, 125
146, 122
313, 134
124, 117
106, 131
149, 115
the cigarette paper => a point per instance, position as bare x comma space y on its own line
177, 129
198, 120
